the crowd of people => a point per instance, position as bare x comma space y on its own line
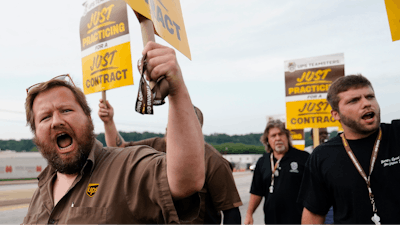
182, 179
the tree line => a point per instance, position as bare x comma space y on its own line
226, 144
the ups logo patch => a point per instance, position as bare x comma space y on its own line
91, 190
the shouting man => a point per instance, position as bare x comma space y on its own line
357, 171
87, 183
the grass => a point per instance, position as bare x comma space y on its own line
34, 178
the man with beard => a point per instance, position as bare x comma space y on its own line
277, 177
219, 193
87, 183
357, 171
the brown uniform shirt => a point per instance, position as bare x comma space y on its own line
116, 185
219, 192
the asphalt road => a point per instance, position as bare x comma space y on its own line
14, 199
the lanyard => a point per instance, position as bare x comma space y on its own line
374, 155
274, 172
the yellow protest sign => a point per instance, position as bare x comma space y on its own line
309, 113
393, 12
297, 137
167, 19
105, 46
307, 82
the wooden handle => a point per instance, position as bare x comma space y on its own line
103, 95
315, 137
147, 28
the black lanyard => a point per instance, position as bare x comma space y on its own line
375, 218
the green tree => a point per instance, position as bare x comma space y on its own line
235, 144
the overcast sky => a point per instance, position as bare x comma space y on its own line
236, 75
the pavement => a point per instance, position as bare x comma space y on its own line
15, 197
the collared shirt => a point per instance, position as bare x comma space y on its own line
280, 206
116, 185
219, 192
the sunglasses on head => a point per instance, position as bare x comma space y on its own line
59, 77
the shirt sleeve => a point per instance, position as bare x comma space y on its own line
156, 143
313, 192
219, 177
147, 189
258, 185
148, 142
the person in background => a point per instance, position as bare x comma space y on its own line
357, 171
323, 137
85, 182
277, 178
219, 193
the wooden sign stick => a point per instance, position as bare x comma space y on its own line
315, 137
146, 26
103, 95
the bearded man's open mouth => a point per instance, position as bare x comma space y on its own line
64, 142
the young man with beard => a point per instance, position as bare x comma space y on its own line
219, 193
87, 183
277, 177
357, 171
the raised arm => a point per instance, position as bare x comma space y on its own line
185, 142
111, 134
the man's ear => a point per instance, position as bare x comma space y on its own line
335, 115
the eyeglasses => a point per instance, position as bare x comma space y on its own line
60, 77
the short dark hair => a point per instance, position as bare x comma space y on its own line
343, 84
272, 124
42, 87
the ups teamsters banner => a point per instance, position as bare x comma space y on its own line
105, 46
307, 81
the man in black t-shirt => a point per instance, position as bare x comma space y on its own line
338, 172
279, 183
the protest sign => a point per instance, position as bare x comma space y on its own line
105, 46
306, 84
297, 136
167, 19
393, 12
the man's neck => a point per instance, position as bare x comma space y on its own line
349, 134
279, 155
64, 176
61, 185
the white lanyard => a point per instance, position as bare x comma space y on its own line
274, 172
375, 218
